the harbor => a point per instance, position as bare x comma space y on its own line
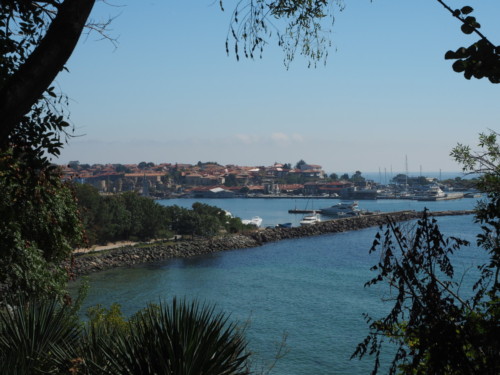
375, 195
291, 210
290, 283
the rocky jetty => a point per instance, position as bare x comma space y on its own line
343, 225
83, 264
129, 255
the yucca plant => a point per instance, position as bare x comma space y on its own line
38, 337
180, 339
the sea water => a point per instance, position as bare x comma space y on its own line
309, 290
275, 211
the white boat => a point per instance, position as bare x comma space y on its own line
434, 193
342, 209
256, 221
310, 220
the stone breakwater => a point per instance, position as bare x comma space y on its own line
130, 255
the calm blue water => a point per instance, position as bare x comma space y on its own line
275, 211
311, 289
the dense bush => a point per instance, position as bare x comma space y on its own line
39, 227
129, 216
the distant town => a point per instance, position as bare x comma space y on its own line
212, 180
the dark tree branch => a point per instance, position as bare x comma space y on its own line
50, 2
27, 85
457, 16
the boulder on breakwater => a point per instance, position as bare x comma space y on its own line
343, 225
130, 255
83, 264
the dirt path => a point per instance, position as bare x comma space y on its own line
109, 246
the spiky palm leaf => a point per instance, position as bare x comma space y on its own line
37, 338
180, 339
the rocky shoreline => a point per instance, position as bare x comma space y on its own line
83, 264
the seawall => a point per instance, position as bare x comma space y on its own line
131, 255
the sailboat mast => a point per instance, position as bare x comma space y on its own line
406, 170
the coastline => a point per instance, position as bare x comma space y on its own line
90, 262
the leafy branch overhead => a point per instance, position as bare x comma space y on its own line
482, 58
304, 27
300, 26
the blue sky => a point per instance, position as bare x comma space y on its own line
169, 92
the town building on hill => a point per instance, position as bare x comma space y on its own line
166, 179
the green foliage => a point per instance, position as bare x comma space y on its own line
486, 162
183, 338
299, 164
203, 165
45, 337
294, 178
212, 219
234, 225
461, 183
38, 338
144, 165
39, 224
120, 168
39, 227
129, 216
106, 321
334, 177
38, 134
205, 209
146, 216
400, 179
230, 180
88, 200
187, 223
436, 330
427, 322
305, 26
357, 178
120, 217
480, 59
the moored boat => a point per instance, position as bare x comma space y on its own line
434, 193
310, 220
284, 225
256, 221
342, 209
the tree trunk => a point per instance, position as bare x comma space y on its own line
26, 86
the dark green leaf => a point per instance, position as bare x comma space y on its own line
467, 29
458, 66
450, 55
466, 9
